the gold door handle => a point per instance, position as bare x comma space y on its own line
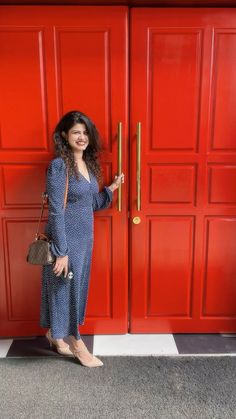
119, 164
138, 164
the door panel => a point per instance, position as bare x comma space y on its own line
223, 123
183, 94
22, 64
177, 274
56, 59
173, 55
218, 297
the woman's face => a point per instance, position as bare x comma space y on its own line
77, 137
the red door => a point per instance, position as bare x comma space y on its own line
55, 59
182, 252
183, 92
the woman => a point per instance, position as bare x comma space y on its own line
64, 299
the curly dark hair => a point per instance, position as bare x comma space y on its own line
63, 149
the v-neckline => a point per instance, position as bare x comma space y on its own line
89, 181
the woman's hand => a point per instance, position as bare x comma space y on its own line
60, 265
116, 182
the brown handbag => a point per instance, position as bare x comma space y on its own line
39, 252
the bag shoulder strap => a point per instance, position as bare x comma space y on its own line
66, 190
45, 199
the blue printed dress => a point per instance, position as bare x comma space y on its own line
63, 301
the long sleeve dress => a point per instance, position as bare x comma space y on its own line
64, 301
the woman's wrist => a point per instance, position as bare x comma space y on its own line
112, 187
116, 182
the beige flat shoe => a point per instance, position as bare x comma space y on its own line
95, 362
62, 350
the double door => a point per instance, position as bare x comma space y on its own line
161, 89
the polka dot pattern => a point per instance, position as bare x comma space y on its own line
64, 301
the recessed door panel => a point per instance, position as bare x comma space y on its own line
23, 87
223, 103
219, 288
174, 53
177, 273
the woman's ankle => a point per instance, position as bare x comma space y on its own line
61, 343
75, 340
59, 340
78, 344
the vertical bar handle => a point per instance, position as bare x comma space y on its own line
119, 164
138, 166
